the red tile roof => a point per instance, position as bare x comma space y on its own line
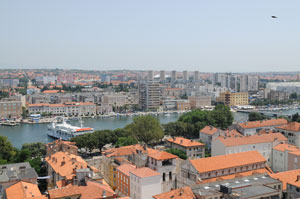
293, 126
185, 142
254, 139
123, 151
286, 177
215, 163
24, 190
181, 193
263, 123
210, 130
126, 168
286, 147
162, 155
144, 172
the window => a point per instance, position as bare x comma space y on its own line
170, 175
164, 177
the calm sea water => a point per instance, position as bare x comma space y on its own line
26, 133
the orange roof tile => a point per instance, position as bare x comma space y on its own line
210, 130
126, 168
122, 151
162, 155
66, 169
293, 126
24, 190
181, 193
185, 142
286, 147
227, 161
72, 190
286, 177
263, 123
253, 139
51, 91
144, 172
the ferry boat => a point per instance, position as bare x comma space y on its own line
60, 129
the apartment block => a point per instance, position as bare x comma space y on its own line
10, 109
233, 99
291, 131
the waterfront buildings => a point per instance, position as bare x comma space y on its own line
251, 128
199, 101
191, 148
10, 109
291, 131
198, 170
233, 99
68, 108
263, 143
144, 183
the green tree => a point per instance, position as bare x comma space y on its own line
37, 149
7, 151
255, 116
177, 128
146, 129
126, 141
180, 153
296, 117
294, 96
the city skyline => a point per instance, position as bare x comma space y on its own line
210, 36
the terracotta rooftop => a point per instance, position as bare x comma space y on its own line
209, 130
253, 139
181, 193
293, 126
286, 147
215, 163
92, 190
263, 123
162, 155
286, 177
126, 168
51, 91
185, 142
123, 151
64, 164
144, 172
24, 190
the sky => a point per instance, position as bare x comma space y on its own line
204, 35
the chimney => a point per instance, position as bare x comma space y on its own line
191, 140
104, 194
73, 160
298, 178
181, 141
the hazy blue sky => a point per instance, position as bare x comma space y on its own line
204, 35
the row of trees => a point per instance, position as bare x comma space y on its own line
189, 124
144, 129
265, 102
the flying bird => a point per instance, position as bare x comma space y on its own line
274, 17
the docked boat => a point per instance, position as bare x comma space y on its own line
60, 129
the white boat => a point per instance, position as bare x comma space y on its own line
65, 131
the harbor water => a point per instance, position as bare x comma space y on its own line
27, 133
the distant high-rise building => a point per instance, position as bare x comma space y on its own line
162, 75
196, 76
149, 95
248, 83
150, 75
174, 75
185, 75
